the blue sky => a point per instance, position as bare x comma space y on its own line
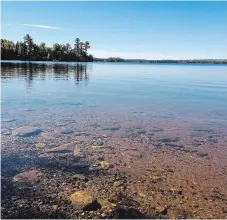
149, 30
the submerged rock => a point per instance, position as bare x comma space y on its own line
202, 154
96, 147
169, 140
79, 176
82, 197
40, 145
117, 183
54, 207
5, 131
112, 129
105, 165
106, 205
85, 200
67, 131
76, 151
28, 176
141, 194
162, 209
7, 120
65, 148
26, 131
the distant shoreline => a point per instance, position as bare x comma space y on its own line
108, 60
191, 61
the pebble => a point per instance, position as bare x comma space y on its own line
162, 209
105, 165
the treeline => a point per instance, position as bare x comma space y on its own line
28, 50
110, 59
118, 59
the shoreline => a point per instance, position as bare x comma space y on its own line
163, 62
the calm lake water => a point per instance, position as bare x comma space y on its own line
40, 91
103, 127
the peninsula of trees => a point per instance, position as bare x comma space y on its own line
28, 50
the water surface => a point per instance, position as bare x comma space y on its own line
197, 92
147, 134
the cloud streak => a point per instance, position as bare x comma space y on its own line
39, 26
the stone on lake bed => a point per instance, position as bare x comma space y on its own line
95, 148
27, 176
162, 209
79, 176
105, 165
143, 195
5, 131
67, 131
26, 131
112, 129
117, 183
81, 198
54, 207
76, 151
64, 148
106, 205
202, 154
8, 119
40, 145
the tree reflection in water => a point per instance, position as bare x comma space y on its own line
32, 71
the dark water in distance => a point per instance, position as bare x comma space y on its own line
185, 92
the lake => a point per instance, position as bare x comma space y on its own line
114, 129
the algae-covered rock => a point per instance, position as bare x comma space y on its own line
81, 198
106, 205
54, 207
117, 183
85, 200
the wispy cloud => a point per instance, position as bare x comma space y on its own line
40, 26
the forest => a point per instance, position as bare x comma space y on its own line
29, 50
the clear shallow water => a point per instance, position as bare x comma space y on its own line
189, 92
164, 120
